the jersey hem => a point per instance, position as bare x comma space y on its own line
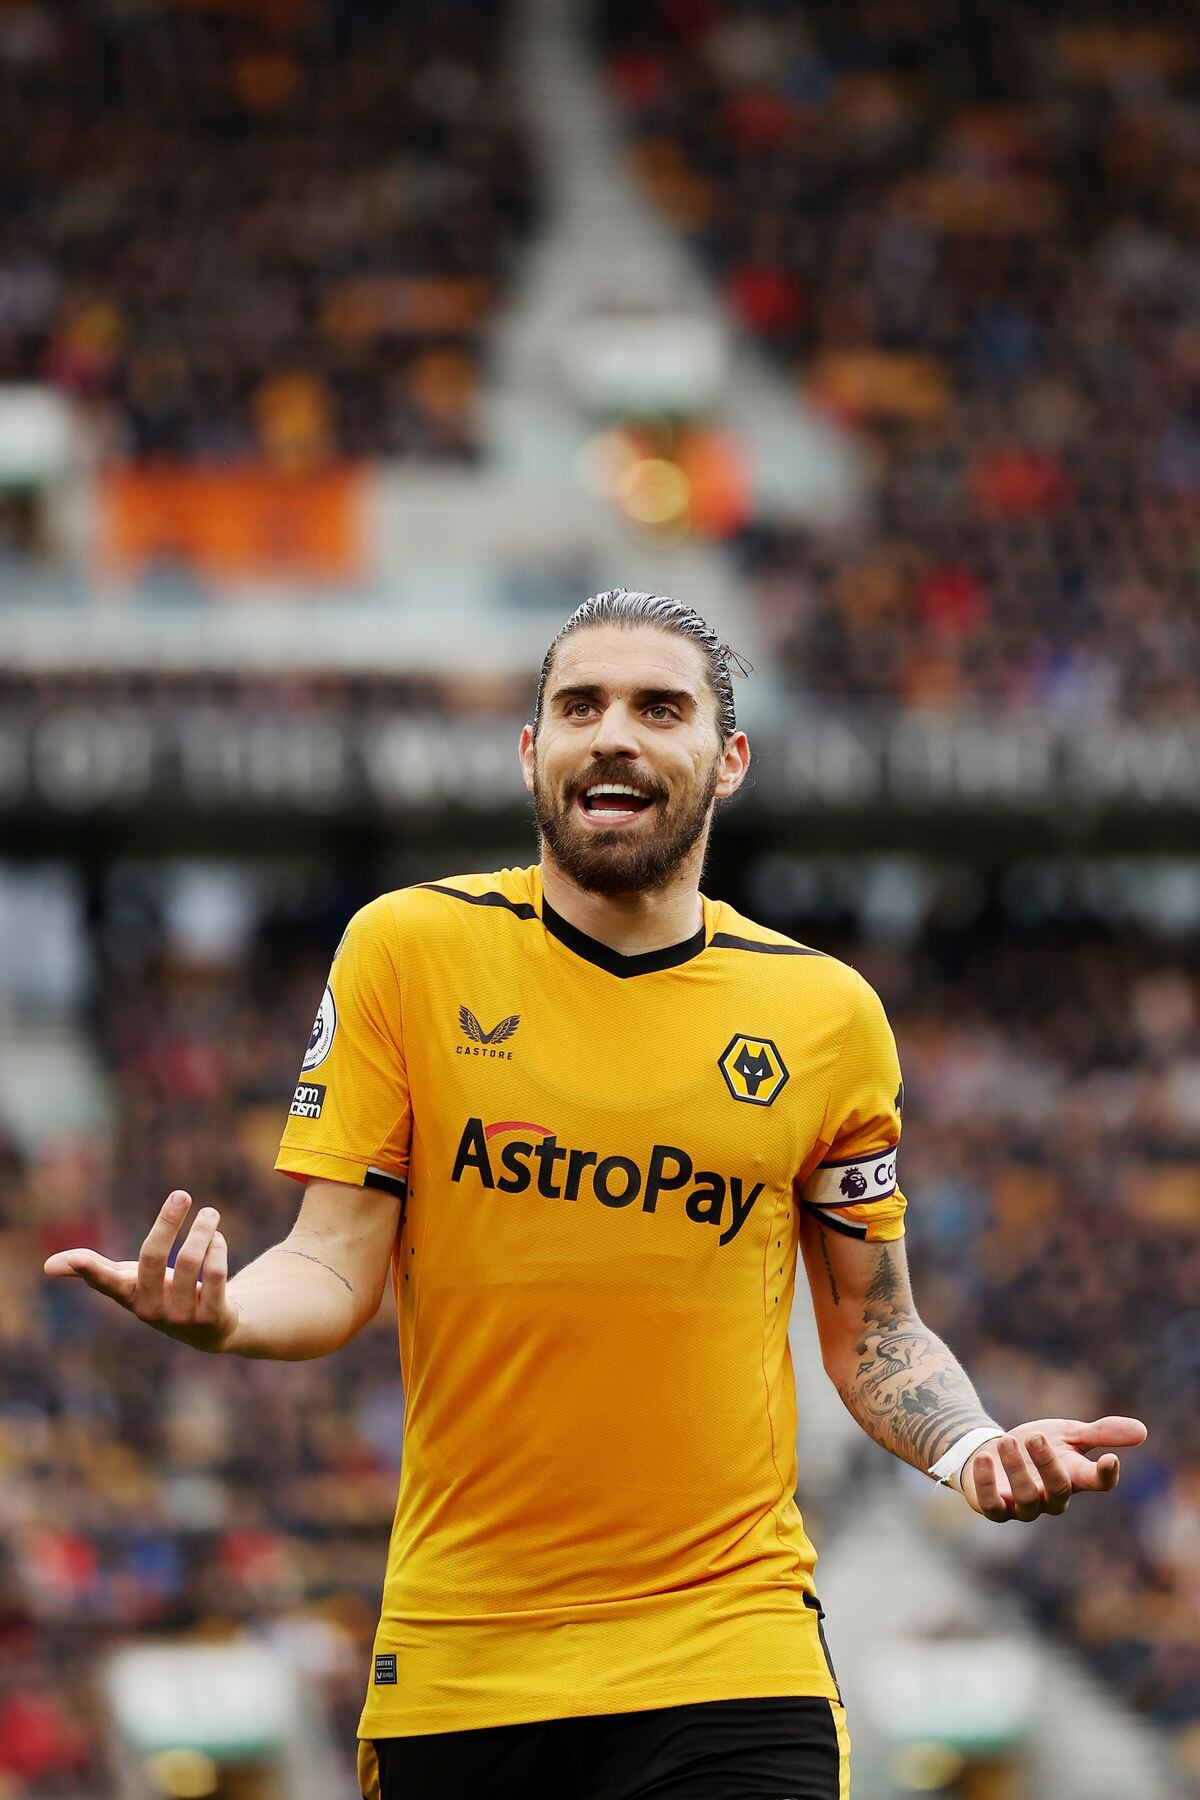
424, 1721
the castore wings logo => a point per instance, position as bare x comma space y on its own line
497, 1035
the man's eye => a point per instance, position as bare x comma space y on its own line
577, 708
660, 710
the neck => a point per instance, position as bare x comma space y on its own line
630, 924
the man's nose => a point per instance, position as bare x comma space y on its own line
615, 733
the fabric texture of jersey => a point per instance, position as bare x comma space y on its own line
601, 1161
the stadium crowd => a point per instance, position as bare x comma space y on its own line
1052, 1155
969, 234
258, 233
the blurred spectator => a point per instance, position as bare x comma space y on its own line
969, 233
1052, 1083
260, 233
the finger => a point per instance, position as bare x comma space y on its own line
1053, 1476
156, 1248
993, 1503
1098, 1477
116, 1280
1114, 1429
211, 1304
179, 1303
65, 1262
1028, 1493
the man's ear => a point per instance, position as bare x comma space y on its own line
526, 751
735, 760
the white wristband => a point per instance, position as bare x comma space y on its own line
949, 1467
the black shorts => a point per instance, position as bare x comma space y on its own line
775, 1749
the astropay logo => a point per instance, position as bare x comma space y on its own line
525, 1153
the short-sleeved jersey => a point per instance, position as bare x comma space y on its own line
601, 1160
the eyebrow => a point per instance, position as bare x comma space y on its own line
648, 696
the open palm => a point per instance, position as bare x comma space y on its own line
1035, 1468
188, 1302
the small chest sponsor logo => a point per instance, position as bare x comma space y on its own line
385, 1671
485, 1043
307, 1100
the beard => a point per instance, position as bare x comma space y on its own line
622, 861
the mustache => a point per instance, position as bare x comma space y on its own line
618, 772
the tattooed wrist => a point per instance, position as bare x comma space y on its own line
906, 1389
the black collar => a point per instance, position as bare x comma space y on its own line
647, 962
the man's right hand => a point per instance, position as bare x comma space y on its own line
175, 1301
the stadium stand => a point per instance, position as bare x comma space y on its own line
259, 233
968, 233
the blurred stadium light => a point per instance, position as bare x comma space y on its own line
193, 1720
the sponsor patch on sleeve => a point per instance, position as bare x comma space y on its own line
307, 1100
855, 1182
385, 1670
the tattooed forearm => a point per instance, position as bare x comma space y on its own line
902, 1384
288, 1251
833, 1286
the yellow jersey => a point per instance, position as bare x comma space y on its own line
601, 1160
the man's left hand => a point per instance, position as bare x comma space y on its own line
1035, 1468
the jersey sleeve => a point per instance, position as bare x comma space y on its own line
853, 1189
350, 1118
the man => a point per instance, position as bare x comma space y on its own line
586, 1117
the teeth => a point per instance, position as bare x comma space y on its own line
616, 788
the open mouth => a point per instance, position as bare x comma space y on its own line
613, 803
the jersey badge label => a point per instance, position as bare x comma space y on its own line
385, 1671
753, 1069
320, 1041
307, 1100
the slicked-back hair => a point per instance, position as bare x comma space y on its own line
618, 606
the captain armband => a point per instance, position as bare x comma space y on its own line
835, 1187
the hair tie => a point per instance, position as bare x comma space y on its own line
738, 662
